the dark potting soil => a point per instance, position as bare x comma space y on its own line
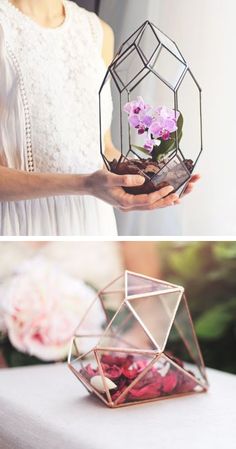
147, 168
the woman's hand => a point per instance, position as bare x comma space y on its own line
17, 185
189, 188
109, 187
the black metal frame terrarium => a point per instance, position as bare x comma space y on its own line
150, 63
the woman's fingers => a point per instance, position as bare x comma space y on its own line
124, 180
145, 201
190, 185
160, 203
116, 195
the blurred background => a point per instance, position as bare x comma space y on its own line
204, 31
205, 269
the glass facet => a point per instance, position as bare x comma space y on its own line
169, 69
125, 331
147, 43
138, 284
145, 350
156, 313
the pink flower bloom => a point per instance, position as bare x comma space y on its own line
41, 306
130, 372
169, 382
162, 128
117, 394
158, 123
141, 365
146, 120
141, 129
155, 383
136, 106
116, 360
112, 372
138, 117
167, 113
148, 392
90, 372
166, 135
140, 122
149, 144
156, 128
134, 121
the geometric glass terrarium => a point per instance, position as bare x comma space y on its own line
150, 64
144, 351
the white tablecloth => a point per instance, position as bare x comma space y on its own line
45, 407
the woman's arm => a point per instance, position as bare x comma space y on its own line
16, 185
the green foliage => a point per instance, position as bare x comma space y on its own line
214, 323
166, 146
15, 358
207, 270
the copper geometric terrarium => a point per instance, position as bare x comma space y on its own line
150, 64
147, 350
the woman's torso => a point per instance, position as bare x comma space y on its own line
58, 73
49, 120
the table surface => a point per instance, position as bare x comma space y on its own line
47, 407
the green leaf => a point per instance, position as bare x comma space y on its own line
167, 146
225, 250
16, 358
214, 323
141, 149
187, 263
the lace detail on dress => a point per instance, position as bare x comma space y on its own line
28, 133
61, 72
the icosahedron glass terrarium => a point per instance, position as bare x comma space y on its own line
136, 343
157, 111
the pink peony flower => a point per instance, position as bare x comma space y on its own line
41, 306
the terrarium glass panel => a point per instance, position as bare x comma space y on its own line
147, 351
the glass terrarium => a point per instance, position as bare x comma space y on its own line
157, 111
143, 347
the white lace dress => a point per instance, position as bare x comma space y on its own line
49, 82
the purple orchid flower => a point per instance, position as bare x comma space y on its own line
158, 123
164, 123
167, 113
137, 106
149, 144
138, 116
